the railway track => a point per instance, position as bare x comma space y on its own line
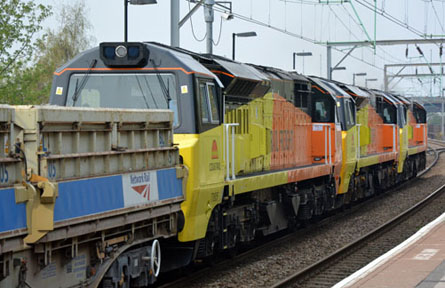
345, 261
202, 271
436, 142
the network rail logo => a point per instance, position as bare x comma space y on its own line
141, 184
140, 188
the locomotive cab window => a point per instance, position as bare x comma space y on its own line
389, 114
349, 113
387, 111
213, 103
322, 109
402, 115
205, 115
419, 114
209, 105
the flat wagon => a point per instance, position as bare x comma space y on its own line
86, 195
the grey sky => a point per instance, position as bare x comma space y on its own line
332, 22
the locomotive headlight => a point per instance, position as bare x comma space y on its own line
109, 52
133, 52
128, 54
121, 51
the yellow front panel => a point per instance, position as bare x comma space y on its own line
203, 155
413, 150
365, 134
349, 149
403, 136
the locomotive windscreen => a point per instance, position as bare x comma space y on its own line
139, 91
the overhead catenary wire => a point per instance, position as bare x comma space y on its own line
343, 24
301, 19
258, 22
193, 30
356, 37
382, 10
397, 21
406, 12
285, 14
358, 24
437, 17
316, 2
391, 18
307, 39
425, 27
220, 32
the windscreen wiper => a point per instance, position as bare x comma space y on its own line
143, 94
83, 82
165, 91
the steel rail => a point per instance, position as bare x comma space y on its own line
436, 142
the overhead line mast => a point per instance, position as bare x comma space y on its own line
356, 44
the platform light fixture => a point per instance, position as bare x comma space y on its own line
300, 54
355, 75
369, 80
227, 16
133, 2
242, 34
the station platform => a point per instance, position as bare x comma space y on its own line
417, 262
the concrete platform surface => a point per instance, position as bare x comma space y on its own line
417, 262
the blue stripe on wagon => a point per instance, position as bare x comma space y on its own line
168, 185
12, 215
90, 196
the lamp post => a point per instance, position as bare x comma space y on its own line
369, 80
357, 74
302, 54
335, 69
442, 128
133, 2
243, 34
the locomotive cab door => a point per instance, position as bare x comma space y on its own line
209, 119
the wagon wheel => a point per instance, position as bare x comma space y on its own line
155, 258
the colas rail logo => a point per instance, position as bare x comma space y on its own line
141, 184
214, 150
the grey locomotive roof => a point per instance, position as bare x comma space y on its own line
389, 97
298, 77
240, 70
339, 91
87, 55
185, 59
324, 86
358, 91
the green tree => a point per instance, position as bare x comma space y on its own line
20, 21
31, 84
59, 46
